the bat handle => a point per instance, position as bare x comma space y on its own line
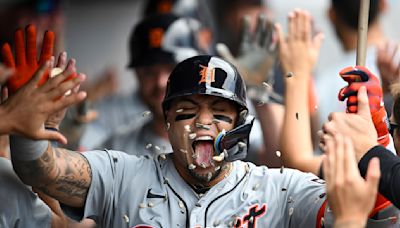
362, 32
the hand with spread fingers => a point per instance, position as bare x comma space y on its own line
388, 62
256, 58
350, 197
54, 120
299, 51
27, 110
26, 64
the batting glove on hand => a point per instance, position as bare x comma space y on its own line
26, 63
360, 76
256, 58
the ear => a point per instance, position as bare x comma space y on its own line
383, 6
332, 15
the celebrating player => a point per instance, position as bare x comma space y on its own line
202, 183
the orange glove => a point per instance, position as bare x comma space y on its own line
360, 76
26, 60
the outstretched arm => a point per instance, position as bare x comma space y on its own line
298, 54
60, 173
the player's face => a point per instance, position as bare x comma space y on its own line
152, 85
195, 121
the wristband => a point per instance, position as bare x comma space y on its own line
24, 149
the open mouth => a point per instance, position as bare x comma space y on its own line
203, 148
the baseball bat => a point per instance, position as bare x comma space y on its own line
362, 32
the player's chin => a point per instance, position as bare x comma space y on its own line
204, 175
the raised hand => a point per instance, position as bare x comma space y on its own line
299, 51
388, 61
54, 120
350, 197
29, 108
26, 62
257, 54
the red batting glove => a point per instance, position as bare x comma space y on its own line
360, 76
26, 60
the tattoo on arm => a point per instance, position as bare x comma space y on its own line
60, 173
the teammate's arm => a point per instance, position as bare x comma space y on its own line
60, 173
298, 54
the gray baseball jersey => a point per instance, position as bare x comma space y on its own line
116, 113
131, 191
19, 206
139, 141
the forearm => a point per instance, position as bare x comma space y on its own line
296, 142
271, 120
64, 175
389, 183
5, 123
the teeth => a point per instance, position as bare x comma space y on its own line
205, 137
217, 168
179, 110
203, 165
194, 156
191, 166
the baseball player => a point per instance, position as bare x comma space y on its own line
202, 183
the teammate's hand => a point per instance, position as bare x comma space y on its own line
388, 62
298, 52
28, 109
26, 63
5, 73
350, 197
257, 55
54, 120
357, 126
360, 76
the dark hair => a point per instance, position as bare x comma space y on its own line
348, 10
396, 108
